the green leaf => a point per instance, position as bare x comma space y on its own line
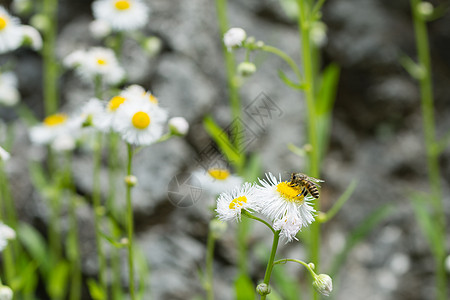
35, 244
328, 89
296, 150
358, 234
290, 83
58, 279
222, 140
38, 176
253, 168
95, 290
243, 287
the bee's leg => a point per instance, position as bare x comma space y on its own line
303, 192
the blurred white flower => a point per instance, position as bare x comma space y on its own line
217, 180
234, 37
32, 37
99, 29
11, 33
122, 15
5, 293
178, 126
63, 142
9, 95
139, 122
318, 34
285, 205
6, 234
4, 155
52, 127
230, 204
95, 62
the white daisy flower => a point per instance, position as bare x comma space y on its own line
137, 91
91, 113
178, 126
95, 62
285, 205
122, 15
9, 94
32, 37
11, 33
4, 155
139, 122
230, 204
99, 29
6, 234
6, 293
234, 37
217, 180
52, 127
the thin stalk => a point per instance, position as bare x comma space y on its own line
8, 258
434, 177
276, 238
49, 58
209, 284
96, 201
307, 266
286, 58
130, 224
74, 251
250, 216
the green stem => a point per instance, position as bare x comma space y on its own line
49, 58
98, 87
307, 266
434, 177
209, 284
286, 58
250, 216
130, 224
96, 200
8, 258
276, 238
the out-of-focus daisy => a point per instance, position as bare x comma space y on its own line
95, 62
230, 204
137, 91
122, 15
234, 37
91, 112
4, 155
6, 292
178, 126
64, 142
9, 95
52, 126
32, 37
139, 122
285, 205
217, 180
11, 33
6, 234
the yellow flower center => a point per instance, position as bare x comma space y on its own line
290, 193
219, 174
237, 202
101, 61
115, 102
3, 22
140, 120
122, 4
55, 119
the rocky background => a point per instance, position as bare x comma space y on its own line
376, 138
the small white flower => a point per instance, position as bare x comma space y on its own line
95, 62
9, 95
4, 155
234, 37
285, 205
139, 122
323, 284
178, 126
6, 234
217, 180
11, 33
319, 34
5, 293
99, 29
91, 113
230, 204
52, 127
32, 37
63, 142
122, 15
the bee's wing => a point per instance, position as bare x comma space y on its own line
315, 181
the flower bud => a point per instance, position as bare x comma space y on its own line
323, 284
263, 289
217, 228
41, 22
99, 29
319, 34
131, 180
425, 9
152, 45
4, 155
5, 293
124, 241
246, 69
32, 37
234, 37
178, 126
22, 7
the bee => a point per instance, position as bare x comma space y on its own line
309, 184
